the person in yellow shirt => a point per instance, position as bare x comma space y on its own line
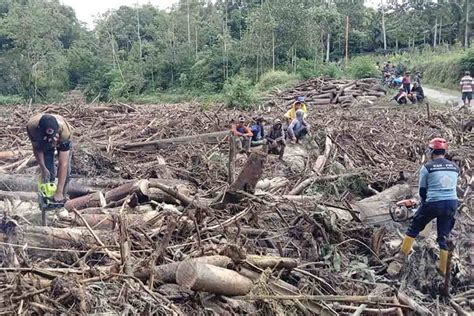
290, 115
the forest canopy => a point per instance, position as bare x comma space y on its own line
202, 45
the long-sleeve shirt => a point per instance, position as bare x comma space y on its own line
258, 132
438, 179
276, 134
241, 130
291, 113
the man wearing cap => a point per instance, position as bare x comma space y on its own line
48, 133
290, 115
437, 190
276, 139
242, 135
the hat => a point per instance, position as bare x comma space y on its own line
300, 99
241, 119
276, 121
48, 125
467, 73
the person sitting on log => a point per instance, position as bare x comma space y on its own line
298, 128
276, 139
417, 92
258, 132
47, 134
290, 115
437, 190
242, 135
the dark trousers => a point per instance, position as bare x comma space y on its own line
443, 211
406, 87
51, 166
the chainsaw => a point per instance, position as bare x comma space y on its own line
403, 210
46, 202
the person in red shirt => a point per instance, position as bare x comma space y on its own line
406, 82
242, 135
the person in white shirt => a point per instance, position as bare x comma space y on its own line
466, 88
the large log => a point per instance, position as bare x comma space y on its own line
110, 221
321, 101
13, 154
161, 196
375, 209
139, 187
273, 262
19, 195
212, 279
169, 142
167, 272
95, 199
15, 182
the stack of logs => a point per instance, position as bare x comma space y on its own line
320, 91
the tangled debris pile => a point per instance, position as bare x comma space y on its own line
159, 229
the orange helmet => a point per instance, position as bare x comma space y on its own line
438, 143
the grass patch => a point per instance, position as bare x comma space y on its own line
11, 99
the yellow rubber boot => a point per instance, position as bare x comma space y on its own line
443, 261
407, 243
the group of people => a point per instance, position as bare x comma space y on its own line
437, 184
408, 90
274, 142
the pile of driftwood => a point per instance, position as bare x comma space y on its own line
322, 91
164, 218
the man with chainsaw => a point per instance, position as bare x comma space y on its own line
48, 133
437, 190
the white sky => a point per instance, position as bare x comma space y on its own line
87, 9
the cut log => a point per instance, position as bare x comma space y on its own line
139, 187
95, 199
110, 221
160, 196
13, 154
19, 195
375, 93
169, 142
375, 209
321, 101
264, 262
212, 279
16, 182
167, 272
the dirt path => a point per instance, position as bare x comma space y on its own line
449, 97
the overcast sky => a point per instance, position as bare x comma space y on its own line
87, 9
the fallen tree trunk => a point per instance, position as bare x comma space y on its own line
406, 300
110, 221
375, 209
167, 272
14, 154
19, 195
161, 196
212, 279
321, 101
164, 143
95, 199
139, 187
15, 182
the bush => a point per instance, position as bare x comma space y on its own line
276, 79
11, 99
363, 67
239, 92
308, 69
